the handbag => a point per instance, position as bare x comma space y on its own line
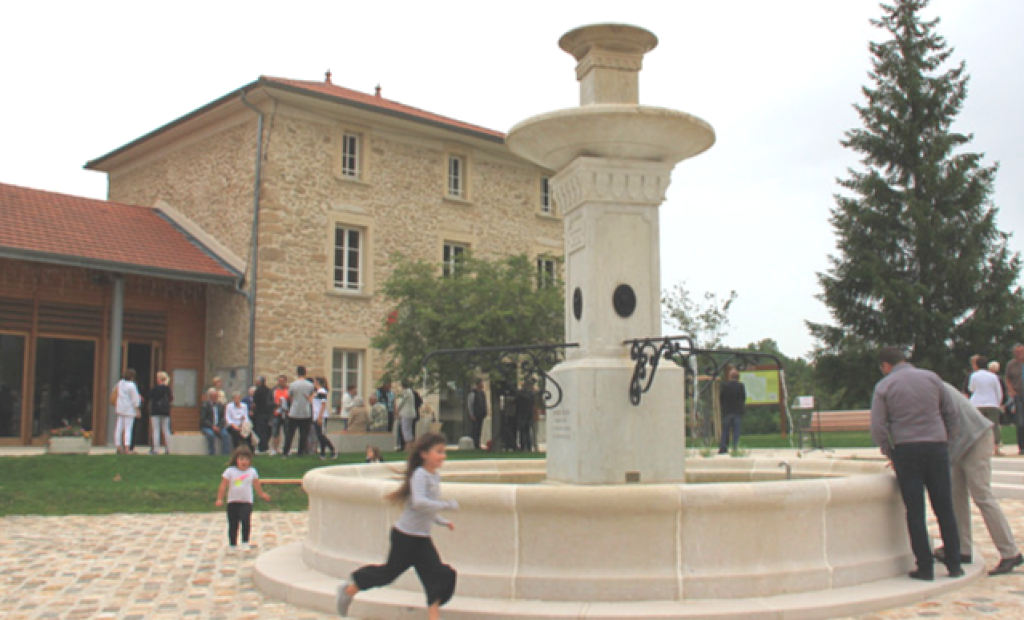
113, 397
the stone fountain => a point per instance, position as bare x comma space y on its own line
615, 525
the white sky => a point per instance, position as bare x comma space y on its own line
776, 80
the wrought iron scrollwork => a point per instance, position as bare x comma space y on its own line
647, 353
529, 360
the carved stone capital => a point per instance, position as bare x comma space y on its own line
589, 180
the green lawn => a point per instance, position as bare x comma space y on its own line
69, 484
73, 484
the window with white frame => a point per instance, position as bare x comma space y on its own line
456, 176
545, 196
546, 273
346, 370
350, 153
453, 254
348, 258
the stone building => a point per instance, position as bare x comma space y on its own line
335, 184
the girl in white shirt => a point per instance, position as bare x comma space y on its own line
238, 482
411, 545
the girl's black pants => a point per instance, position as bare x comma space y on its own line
418, 552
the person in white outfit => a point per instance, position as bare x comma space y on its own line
987, 396
127, 409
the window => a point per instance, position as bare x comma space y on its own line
346, 370
350, 155
545, 195
546, 273
348, 254
453, 254
456, 176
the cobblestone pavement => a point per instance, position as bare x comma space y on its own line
178, 566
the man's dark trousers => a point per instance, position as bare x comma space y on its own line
302, 424
921, 466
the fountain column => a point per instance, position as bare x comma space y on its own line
614, 160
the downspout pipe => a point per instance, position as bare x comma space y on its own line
254, 257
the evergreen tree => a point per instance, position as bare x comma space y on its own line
920, 261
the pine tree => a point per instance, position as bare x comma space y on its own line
920, 262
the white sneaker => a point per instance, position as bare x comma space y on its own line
273, 452
246, 547
344, 601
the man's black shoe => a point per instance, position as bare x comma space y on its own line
940, 555
956, 571
1007, 565
920, 574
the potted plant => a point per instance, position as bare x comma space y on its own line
69, 439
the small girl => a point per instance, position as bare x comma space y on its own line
373, 455
239, 479
410, 537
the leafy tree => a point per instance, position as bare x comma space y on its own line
920, 261
482, 304
705, 323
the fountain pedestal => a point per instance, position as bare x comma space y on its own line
614, 159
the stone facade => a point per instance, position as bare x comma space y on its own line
398, 204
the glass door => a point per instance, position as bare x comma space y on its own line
12, 377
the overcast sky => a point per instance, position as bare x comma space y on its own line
777, 81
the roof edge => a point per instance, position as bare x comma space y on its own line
200, 238
95, 164
114, 266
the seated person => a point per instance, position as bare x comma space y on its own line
358, 417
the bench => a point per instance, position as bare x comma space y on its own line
817, 423
187, 442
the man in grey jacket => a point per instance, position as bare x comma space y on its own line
970, 454
912, 417
300, 412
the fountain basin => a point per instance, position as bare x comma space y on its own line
617, 131
746, 532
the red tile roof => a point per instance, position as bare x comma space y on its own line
50, 227
373, 101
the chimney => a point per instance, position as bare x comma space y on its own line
377, 90
327, 77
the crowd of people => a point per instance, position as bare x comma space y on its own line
941, 440
268, 417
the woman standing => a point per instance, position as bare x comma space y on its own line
127, 409
406, 415
160, 399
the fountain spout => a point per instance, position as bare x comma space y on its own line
789, 469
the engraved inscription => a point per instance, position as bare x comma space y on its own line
576, 238
559, 424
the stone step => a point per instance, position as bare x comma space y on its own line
281, 574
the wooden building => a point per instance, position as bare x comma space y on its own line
89, 288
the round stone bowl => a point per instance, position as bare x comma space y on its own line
736, 529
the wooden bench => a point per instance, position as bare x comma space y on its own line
817, 423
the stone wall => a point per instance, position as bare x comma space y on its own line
399, 203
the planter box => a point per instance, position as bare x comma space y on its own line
69, 445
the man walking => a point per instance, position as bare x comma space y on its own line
477, 406
912, 417
300, 411
971, 456
1015, 386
